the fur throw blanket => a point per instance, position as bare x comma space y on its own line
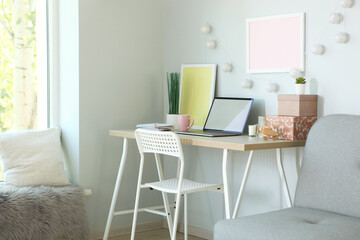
42, 213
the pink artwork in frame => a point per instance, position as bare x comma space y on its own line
276, 43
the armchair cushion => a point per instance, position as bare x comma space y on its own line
294, 223
330, 173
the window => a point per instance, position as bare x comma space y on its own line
23, 65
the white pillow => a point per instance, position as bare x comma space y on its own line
32, 157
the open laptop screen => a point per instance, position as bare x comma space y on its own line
229, 114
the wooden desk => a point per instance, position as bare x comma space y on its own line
235, 143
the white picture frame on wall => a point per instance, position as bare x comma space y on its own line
275, 44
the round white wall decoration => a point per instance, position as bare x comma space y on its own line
246, 83
211, 44
346, 3
206, 29
318, 49
227, 67
272, 87
335, 18
295, 72
342, 37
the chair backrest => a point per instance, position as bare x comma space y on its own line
330, 173
150, 141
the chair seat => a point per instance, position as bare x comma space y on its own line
296, 223
188, 186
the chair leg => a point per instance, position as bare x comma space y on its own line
185, 218
133, 229
164, 194
176, 217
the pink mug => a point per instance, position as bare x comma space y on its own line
185, 122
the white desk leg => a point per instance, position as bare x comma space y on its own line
116, 190
298, 162
243, 184
283, 177
226, 185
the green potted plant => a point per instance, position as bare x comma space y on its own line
300, 85
173, 84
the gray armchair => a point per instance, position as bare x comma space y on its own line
327, 199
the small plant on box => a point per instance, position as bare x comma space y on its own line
300, 85
300, 80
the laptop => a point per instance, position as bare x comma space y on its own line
227, 117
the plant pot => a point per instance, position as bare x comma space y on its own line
172, 119
300, 88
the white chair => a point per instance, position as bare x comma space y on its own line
166, 143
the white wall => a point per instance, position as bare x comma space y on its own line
333, 76
112, 78
69, 84
121, 75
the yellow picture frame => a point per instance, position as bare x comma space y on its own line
197, 91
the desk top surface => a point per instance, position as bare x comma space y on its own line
237, 143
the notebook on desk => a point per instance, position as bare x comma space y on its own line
227, 117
